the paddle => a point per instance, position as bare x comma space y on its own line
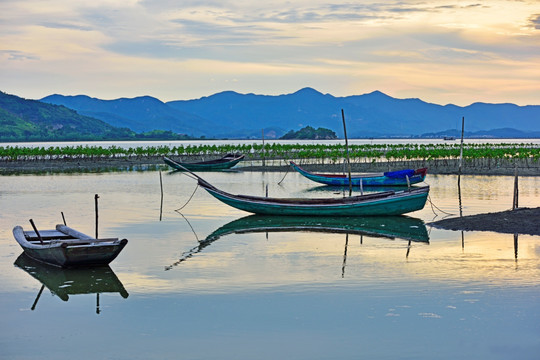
36, 231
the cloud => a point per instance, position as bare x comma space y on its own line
338, 46
535, 21
18, 55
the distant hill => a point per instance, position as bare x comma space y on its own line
232, 115
310, 133
370, 115
140, 114
32, 120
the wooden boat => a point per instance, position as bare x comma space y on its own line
391, 178
388, 227
226, 162
66, 282
67, 247
380, 203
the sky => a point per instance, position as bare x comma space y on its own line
441, 51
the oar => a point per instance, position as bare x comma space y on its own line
37, 298
36, 231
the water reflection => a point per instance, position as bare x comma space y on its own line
66, 282
390, 227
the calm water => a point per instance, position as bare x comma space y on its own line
205, 283
134, 144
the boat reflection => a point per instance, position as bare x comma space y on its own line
66, 282
390, 227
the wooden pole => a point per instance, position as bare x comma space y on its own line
96, 197
161, 206
516, 191
36, 231
347, 150
461, 146
263, 157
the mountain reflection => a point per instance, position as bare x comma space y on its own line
390, 227
66, 282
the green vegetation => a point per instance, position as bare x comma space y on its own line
31, 120
309, 133
331, 153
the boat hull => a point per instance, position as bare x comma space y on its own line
204, 166
400, 203
343, 180
66, 251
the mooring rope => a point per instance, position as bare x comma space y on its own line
188, 199
196, 237
433, 205
288, 168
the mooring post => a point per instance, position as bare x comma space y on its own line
515, 202
461, 146
96, 197
263, 156
347, 151
161, 205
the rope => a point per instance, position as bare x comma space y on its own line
433, 205
188, 199
288, 168
196, 237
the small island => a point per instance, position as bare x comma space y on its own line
310, 133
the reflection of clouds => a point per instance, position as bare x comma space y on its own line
143, 282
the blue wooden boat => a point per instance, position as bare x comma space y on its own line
380, 203
391, 178
226, 162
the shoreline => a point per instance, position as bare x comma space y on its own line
444, 166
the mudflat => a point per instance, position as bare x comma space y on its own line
518, 221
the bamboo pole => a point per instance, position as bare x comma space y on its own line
263, 155
515, 202
96, 197
161, 205
347, 150
461, 146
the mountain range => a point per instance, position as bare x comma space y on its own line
232, 115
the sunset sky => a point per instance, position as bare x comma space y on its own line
443, 51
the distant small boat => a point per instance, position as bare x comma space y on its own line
381, 203
67, 247
226, 162
391, 178
449, 138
